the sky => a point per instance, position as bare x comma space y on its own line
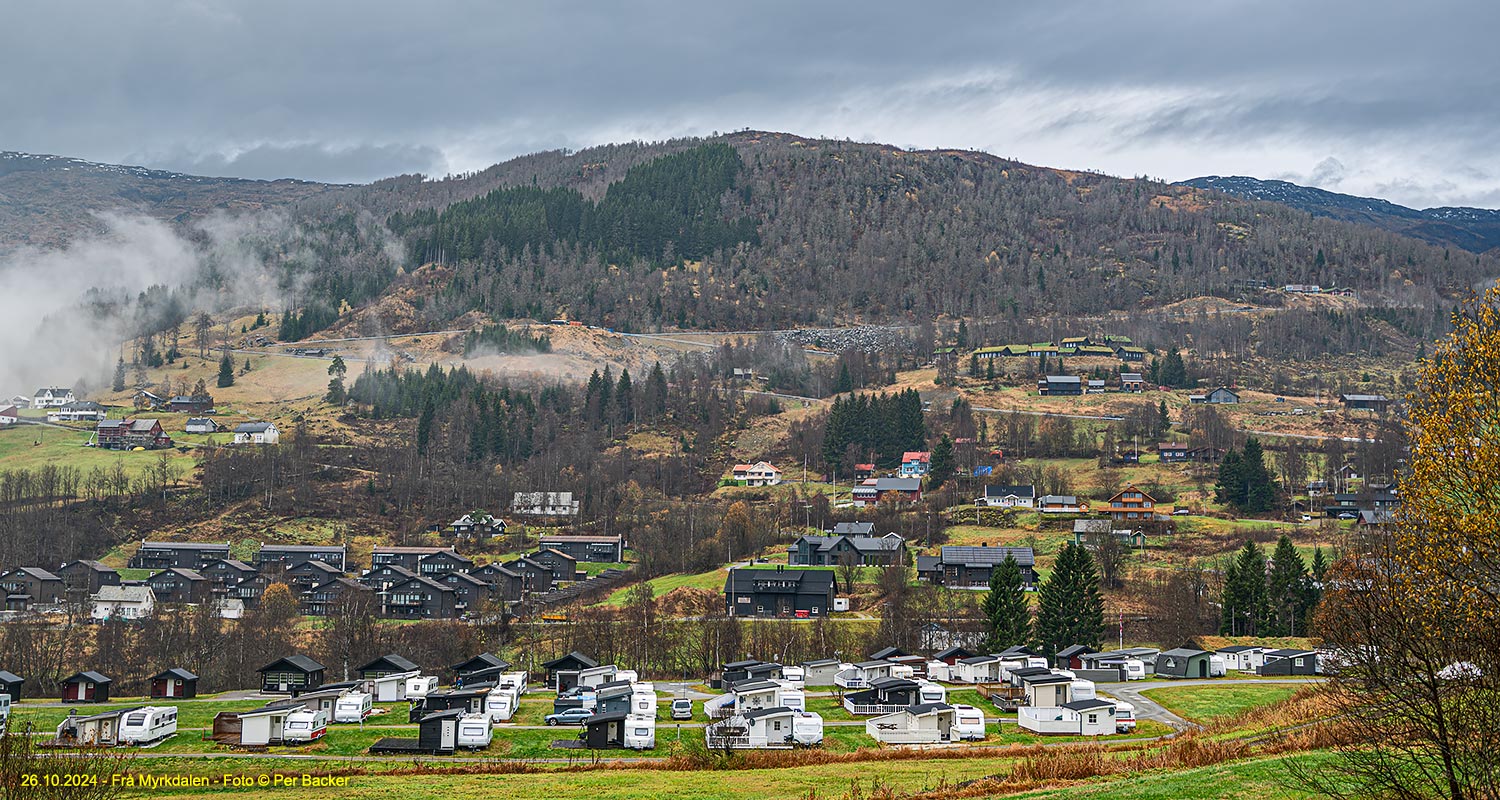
1396, 100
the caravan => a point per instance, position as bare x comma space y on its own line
305, 726
928, 692
1124, 717
501, 703
640, 732
968, 725
518, 680
419, 687
643, 701
4, 713
148, 724
353, 707
474, 731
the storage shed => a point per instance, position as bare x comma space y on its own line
174, 683
86, 687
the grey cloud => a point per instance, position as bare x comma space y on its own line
348, 90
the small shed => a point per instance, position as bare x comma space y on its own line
11, 683
174, 683
562, 673
819, 672
255, 728
1071, 657
483, 667
86, 687
604, 731
97, 730
291, 675
1183, 662
387, 665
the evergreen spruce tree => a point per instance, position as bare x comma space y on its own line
119, 382
1163, 422
424, 425
962, 339
989, 370
1071, 607
226, 371
1231, 486
1244, 599
1288, 589
1319, 564
336, 372
844, 383
1005, 608
625, 398
941, 466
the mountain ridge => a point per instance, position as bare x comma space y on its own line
1474, 229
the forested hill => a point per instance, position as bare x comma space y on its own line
1473, 229
816, 232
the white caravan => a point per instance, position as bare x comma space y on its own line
501, 703
968, 725
353, 707
1124, 716
474, 732
640, 732
420, 686
305, 726
148, 724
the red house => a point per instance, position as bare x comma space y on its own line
86, 687
174, 683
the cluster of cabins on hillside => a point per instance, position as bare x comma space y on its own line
402, 582
1107, 346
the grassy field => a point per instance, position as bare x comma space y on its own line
1265, 778
712, 580
1211, 702
32, 446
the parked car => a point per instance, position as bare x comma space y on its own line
682, 708
1181, 512
571, 716
1348, 515
1307, 518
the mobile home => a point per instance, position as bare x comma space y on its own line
767, 728
148, 724
303, 725
354, 707
929, 723
474, 732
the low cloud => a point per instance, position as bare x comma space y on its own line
307, 161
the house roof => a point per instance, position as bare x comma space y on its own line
575, 657
1184, 652
923, 709
95, 566
302, 548
89, 676
1092, 526
1239, 648
986, 556
1289, 653
399, 663
854, 528
888, 652
10, 677
921, 456
864, 544
1042, 678
202, 421
482, 661
579, 539
984, 659
1064, 379
1010, 491
892, 684
821, 662
1059, 500
175, 672
749, 687
253, 427
298, 662
145, 545
1130, 376
1074, 650
778, 711
896, 484
816, 581
135, 593
1364, 398
951, 652
37, 573
183, 572
1085, 705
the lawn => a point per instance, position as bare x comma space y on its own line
33, 446
1264, 778
712, 580
1215, 701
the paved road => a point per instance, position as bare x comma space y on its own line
1146, 708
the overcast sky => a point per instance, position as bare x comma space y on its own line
1399, 100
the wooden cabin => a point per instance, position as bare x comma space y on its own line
174, 683
293, 674
86, 687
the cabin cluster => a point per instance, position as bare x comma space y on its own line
401, 583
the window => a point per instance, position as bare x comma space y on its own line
1298, 662
776, 726
1093, 719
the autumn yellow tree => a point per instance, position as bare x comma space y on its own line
1414, 616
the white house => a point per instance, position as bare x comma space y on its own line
760, 473
52, 397
123, 602
77, 411
1008, 497
1244, 657
544, 504
929, 723
19, 401
256, 433
9, 415
766, 728
201, 425
977, 669
1094, 717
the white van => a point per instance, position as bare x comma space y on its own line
1124, 717
305, 726
968, 725
148, 724
420, 686
928, 692
353, 707
474, 732
640, 732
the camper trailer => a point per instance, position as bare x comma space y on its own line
928, 692
520, 680
1081, 689
643, 701
305, 726
148, 724
501, 702
640, 732
475, 732
1218, 666
353, 707
1124, 717
796, 676
4, 713
419, 686
968, 725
